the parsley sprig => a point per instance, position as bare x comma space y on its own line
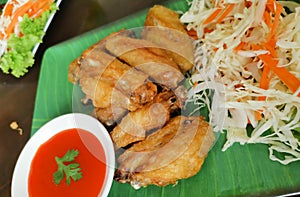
72, 170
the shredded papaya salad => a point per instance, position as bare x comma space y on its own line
247, 52
22, 24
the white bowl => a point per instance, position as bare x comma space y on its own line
19, 186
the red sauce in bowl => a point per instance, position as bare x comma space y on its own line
91, 158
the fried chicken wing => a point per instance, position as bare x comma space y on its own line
134, 125
110, 115
164, 29
74, 67
174, 152
106, 98
98, 91
162, 16
113, 86
133, 51
73, 71
119, 106
134, 85
94, 62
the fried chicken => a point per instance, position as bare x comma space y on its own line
96, 63
133, 51
176, 151
164, 29
74, 67
134, 125
110, 115
107, 99
113, 86
137, 83
162, 16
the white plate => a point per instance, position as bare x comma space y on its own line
19, 186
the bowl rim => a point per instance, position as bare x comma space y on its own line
20, 176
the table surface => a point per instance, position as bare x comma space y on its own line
18, 95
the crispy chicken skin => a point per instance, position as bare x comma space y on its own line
96, 63
162, 16
133, 51
74, 67
126, 79
110, 115
164, 29
73, 71
98, 91
119, 107
176, 151
134, 125
110, 103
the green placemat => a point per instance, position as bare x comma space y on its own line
240, 171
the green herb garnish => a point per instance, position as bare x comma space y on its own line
71, 170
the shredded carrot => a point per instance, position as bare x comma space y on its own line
227, 10
8, 9
267, 19
278, 11
192, 33
271, 64
271, 46
255, 47
258, 115
34, 8
212, 16
42, 11
265, 80
20, 12
291, 81
195, 84
270, 6
264, 83
240, 46
39, 7
208, 30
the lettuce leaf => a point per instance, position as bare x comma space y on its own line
19, 57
